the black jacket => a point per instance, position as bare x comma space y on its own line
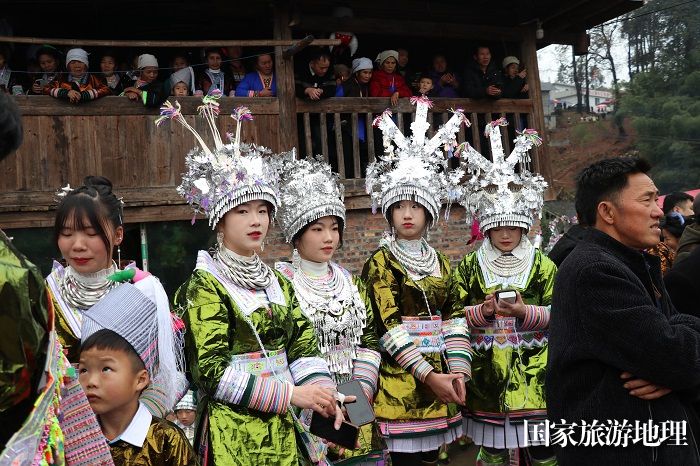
611, 313
566, 243
512, 86
305, 79
683, 283
475, 81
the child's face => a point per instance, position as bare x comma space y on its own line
77, 68
107, 65
214, 61
180, 89
47, 63
186, 416
425, 85
149, 74
389, 65
179, 63
109, 380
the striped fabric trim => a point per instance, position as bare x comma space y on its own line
536, 317
399, 344
233, 385
419, 428
311, 370
457, 346
265, 394
155, 399
365, 370
475, 318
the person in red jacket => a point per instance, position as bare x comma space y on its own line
386, 82
79, 85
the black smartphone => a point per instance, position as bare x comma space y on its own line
360, 412
345, 437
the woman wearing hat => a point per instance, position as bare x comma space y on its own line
146, 89
508, 331
386, 81
79, 85
514, 80
252, 353
425, 350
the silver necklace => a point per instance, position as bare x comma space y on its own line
505, 265
82, 291
420, 263
333, 305
247, 273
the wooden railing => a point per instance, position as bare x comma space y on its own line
117, 138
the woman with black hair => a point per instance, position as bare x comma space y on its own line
89, 226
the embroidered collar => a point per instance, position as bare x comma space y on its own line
137, 430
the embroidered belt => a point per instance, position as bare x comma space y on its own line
426, 333
255, 363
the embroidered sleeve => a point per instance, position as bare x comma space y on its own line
475, 316
398, 343
457, 346
365, 370
59, 93
260, 393
154, 398
311, 370
536, 317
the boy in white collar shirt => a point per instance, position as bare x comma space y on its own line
118, 354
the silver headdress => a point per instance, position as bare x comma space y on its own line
218, 180
495, 194
413, 168
309, 190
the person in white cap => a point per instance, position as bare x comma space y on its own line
186, 412
146, 88
514, 80
79, 85
386, 82
181, 82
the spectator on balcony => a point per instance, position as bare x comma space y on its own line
79, 85
49, 60
386, 82
214, 77
405, 70
514, 80
315, 81
425, 86
358, 84
341, 73
261, 82
108, 66
147, 89
179, 61
235, 66
445, 83
481, 78
8, 80
181, 82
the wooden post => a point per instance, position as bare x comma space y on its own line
284, 69
541, 162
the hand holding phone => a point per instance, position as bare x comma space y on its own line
506, 296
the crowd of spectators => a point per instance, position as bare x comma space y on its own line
77, 76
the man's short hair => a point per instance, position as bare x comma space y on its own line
673, 199
604, 180
10, 125
317, 53
110, 340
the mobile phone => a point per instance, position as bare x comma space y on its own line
345, 437
507, 296
359, 411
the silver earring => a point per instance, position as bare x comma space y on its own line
296, 259
262, 246
393, 232
220, 238
119, 256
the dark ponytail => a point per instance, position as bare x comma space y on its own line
92, 205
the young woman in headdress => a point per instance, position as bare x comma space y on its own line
508, 335
89, 226
425, 350
312, 216
252, 353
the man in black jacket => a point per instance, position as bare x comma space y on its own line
618, 350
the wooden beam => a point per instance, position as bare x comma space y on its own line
406, 28
379, 104
284, 69
163, 43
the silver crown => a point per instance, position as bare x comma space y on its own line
415, 168
231, 174
309, 190
495, 194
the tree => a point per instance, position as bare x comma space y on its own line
603, 38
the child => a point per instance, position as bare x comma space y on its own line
79, 86
117, 362
425, 86
146, 88
181, 82
186, 412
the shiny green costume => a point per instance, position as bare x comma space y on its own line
410, 416
372, 446
218, 331
509, 355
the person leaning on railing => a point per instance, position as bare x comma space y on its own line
78, 85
